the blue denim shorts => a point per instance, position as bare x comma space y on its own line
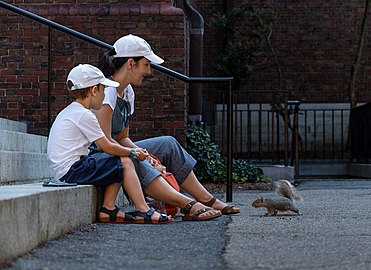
97, 168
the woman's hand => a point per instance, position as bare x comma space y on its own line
142, 153
152, 161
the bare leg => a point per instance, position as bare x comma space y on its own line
192, 186
162, 191
133, 188
110, 194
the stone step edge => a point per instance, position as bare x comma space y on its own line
7, 124
22, 142
22, 166
32, 215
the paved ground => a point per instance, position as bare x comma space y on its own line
334, 232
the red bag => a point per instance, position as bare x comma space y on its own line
169, 177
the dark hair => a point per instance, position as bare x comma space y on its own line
79, 93
107, 64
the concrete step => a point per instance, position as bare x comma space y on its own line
22, 155
23, 167
6, 124
32, 214
22, 142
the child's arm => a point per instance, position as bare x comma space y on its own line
117, 150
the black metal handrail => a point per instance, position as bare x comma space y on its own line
159, 68
102, 44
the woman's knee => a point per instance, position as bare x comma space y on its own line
170, 142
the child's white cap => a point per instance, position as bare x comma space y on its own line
134, 46
85, 75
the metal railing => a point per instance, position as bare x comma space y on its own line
53, 25
269, 128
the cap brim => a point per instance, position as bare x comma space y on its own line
154, 58
108, 82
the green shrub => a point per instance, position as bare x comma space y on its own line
211, 166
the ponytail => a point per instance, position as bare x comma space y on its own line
105, 62
108, 65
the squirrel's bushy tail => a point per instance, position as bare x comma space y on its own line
286, 189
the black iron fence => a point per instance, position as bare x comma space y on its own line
265, 124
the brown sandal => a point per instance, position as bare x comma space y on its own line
228, 210
195, 216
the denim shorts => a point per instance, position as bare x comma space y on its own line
97, 168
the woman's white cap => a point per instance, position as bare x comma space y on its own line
134, 46
85, 75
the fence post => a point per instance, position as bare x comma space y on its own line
295, 137
50, 42
229, 142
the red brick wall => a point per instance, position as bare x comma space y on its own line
315, 42
160, 102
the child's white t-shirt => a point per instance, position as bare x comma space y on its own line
73, 131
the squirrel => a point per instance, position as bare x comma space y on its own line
284, 203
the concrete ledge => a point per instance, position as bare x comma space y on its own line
22, 142
277, 172
309, 168
359, 170
23, 166
32, 214
12, 125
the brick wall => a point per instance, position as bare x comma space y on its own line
160, 102
315, 42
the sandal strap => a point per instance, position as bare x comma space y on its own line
112, 213
210, 203
163, 218
227, 208
147, 216
187, 208
230, 209
199, 212
150, 212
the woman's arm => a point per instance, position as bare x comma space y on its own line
104, 116
123, 138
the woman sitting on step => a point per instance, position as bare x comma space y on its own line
129, 63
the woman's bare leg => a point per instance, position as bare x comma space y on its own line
160, 190
192, 186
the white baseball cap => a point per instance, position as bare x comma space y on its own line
85, 75
134, 46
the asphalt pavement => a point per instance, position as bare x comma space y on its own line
334, 232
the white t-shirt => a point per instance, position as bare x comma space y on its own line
111, 94
72, 132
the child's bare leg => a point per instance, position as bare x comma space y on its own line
133, 188
110, 194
